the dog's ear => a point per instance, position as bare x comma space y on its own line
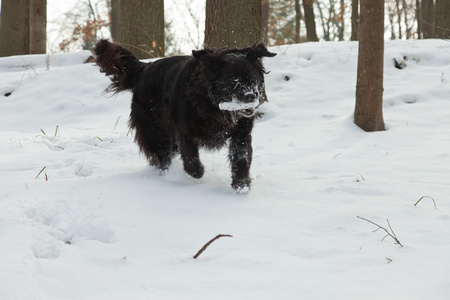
208, 55
259, 50
212, 60
198, 54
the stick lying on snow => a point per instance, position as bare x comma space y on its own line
209, 243
391, 234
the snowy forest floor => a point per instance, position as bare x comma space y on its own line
99, 223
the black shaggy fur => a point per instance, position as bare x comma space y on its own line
175, 105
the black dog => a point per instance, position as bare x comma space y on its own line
182, 103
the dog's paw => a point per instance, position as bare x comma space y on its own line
195, 170
243, 190
241, 186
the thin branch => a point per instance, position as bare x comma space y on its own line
41, 172
435, 26
426, 197
209, 243
391, 234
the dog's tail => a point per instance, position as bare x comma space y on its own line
122, 67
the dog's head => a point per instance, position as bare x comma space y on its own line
236, 77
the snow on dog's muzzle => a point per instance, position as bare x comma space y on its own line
245, 109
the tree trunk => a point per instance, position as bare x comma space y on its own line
298, 17
391, 22
38, 26
399, 16
325, 25
233, 23
355, 20
310, 22
341, 21
427, 19
14, 28
115, 19
265, 20
142, 27
369, 85
419, 22
405, 17
442, 19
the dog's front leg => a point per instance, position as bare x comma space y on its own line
190, 157
240, 155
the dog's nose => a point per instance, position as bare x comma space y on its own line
250, 97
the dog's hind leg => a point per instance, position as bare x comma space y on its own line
191, 158
151, 138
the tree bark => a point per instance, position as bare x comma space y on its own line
233, 23
355, 20
419, 22
14, 27
391, 23
115, 19
341, 20
298, 17
442, 19
405, 17
427, 19
399, 16
369, 85
265, 20
38, 26
310, 22
142, 27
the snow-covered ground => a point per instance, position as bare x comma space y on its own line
99, 223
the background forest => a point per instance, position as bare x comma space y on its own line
180, 25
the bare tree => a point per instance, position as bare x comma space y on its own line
355, 20
14, 28
191, 16
23, 26
233, 23
38, 26
391, 15
81, 25
408, 24
115, 18
340, 20
284, 22
419, 22
442, 19
298, 17
427, 19
310, 22
265, 8
369, 86
399, 18
142, 27
332, 17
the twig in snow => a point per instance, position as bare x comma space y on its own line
209, 243
391, 234
426, 197
41, 172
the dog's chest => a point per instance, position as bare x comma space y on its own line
213, 131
